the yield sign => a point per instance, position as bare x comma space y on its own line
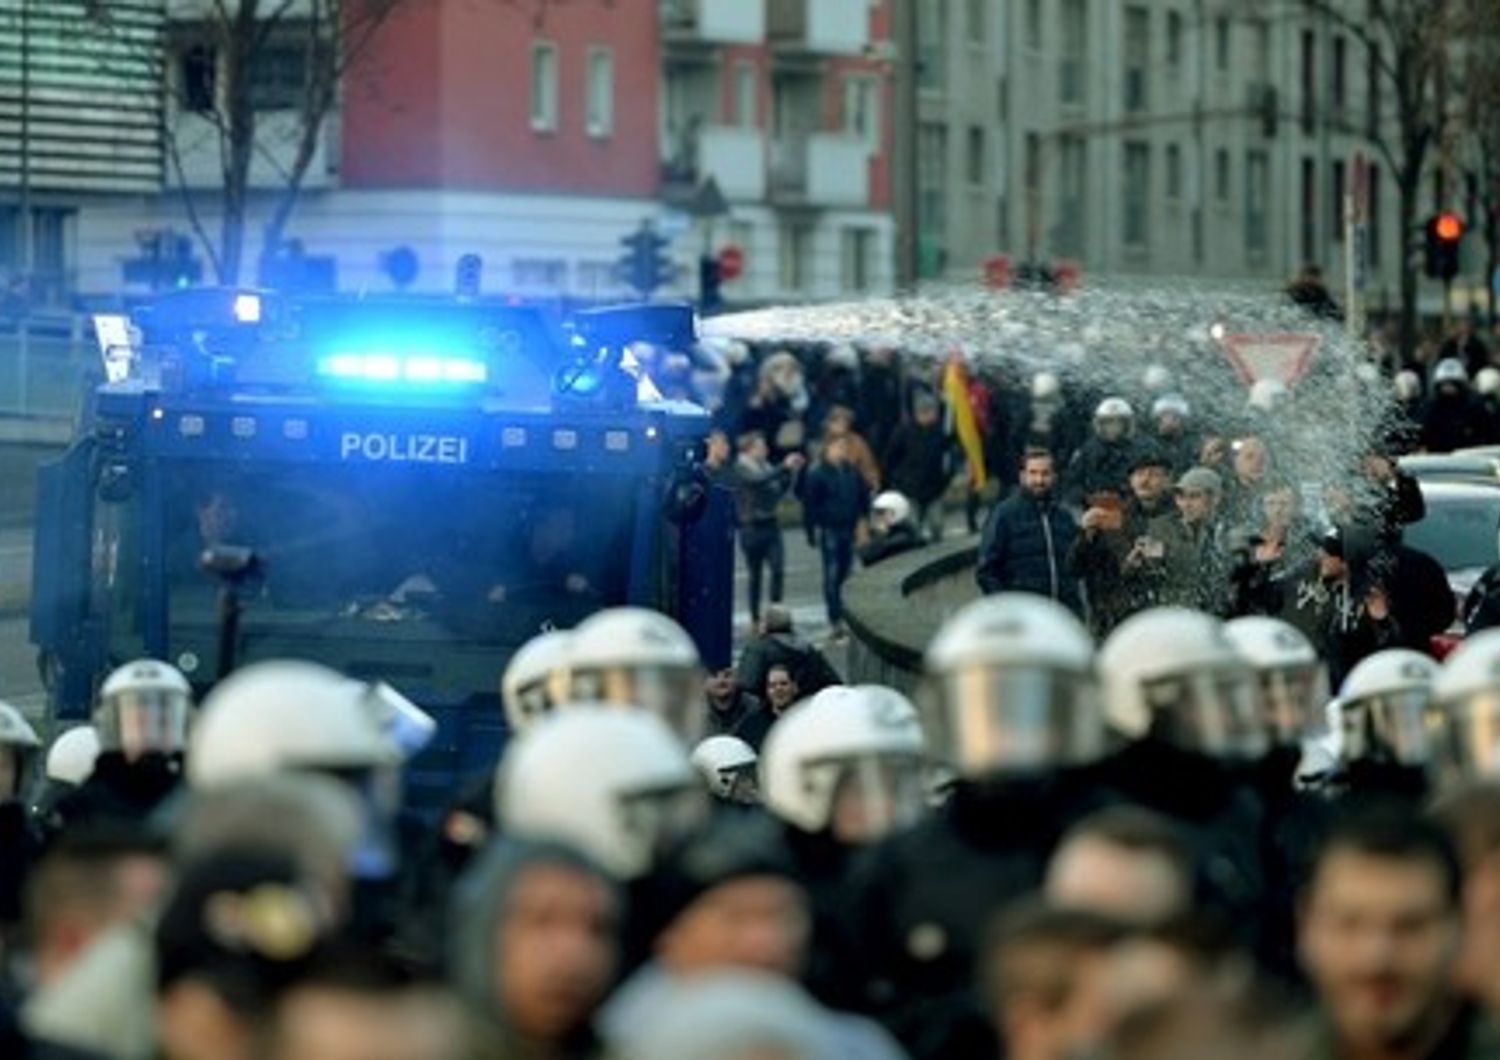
1282, 356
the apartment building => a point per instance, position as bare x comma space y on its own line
535, 136
1209, 138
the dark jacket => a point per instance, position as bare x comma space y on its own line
1193, 570
1025, 548
723, 722
903, 537
808, 667
835, 497
916, 461
1099, 465
758, 489
1454, 419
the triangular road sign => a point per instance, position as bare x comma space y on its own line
1284, 356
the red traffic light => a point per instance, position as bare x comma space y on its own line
731, 263
1449, 227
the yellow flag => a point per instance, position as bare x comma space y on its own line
956, 391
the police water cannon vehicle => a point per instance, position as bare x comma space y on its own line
423, 485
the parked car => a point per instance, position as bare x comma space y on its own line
1461, 530
1481, 463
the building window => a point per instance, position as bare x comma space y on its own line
1309, 80
1340, 60
793, 257
1309, 210
1002, 222
745, 85
974, 160
1372, 228
278, 76
1174, 171
1372, 93
1257, 200
1137, 194
856, 246
1222, 40
1072, 157
932, 206
1174, 38
1262, 39
862, 110
1033, 25
1137, 56
544, 86
978, 20
539, 273
1221, 176
10, 238
601, 92
932, 43
597, 277
1071, 71
1336, 213
197, 78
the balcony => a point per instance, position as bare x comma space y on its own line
692, 30
821, 169
803, 30
734, 157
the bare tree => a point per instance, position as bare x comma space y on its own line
1407, 44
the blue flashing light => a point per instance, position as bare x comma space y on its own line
425, 369
247, 308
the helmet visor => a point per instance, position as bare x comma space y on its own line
139, 723
872, 795
653, 821
996, 721
1217, 713
532, 700
1292, 697
739, 784
1400, 727
1474, 727
672, 693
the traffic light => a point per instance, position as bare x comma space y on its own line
1445, 232
645, 265
710, 280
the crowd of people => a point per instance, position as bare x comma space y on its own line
1184, 779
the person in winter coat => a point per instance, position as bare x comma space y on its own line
728, 701
1109, 530
1171, 434
917, 462
1338, 606
1103, 462
840, 424
759, 486
834, 501
1028, 538
776, 642
1453, 419
1183, 552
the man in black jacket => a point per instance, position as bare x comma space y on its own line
759, 486
916, 462
1028, 538
834, 502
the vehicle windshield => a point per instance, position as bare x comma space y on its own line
1459, 533
350, 554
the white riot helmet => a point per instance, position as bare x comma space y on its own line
1015, 691
617, 784
1169, 405
1173, 675
1293, 680
144, 707
1387, 712
849, 761
1450, 370
1467, 691
70, 759
890, 509
17, 735
843, 356
1045, 386
287, 714
727, 765
1113, 418
534, 678
1156, 378
633, 656
1487, 381
1267, 394
1407, 385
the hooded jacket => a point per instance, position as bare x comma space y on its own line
479, 905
